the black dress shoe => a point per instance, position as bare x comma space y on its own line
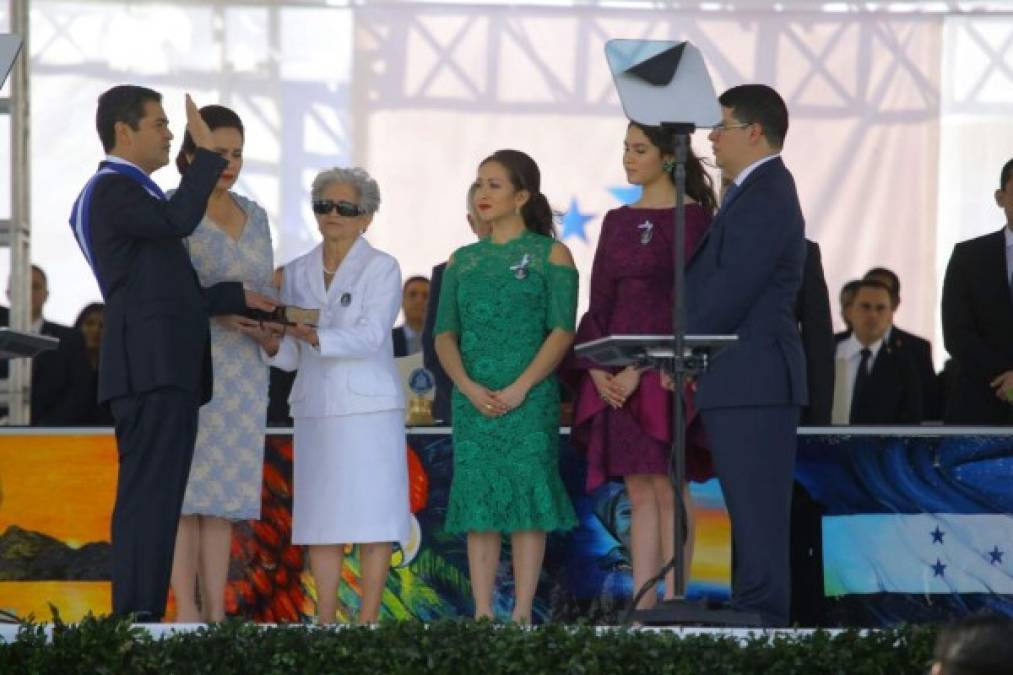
145, 617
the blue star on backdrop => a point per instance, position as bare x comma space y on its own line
996, 556
627, 194
937, 535
574, 221
938, 570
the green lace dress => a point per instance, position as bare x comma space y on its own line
502, 300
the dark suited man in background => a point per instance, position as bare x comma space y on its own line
441, 400
879, 383
978, 321
812, 311
61, 379
407, 338
846, 297
155, 366
919, 350
743, 280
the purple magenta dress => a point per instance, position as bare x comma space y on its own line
631, 293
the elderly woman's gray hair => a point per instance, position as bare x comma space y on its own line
364, 184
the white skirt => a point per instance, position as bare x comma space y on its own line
350, 479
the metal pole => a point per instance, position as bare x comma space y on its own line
20, 233
678, 455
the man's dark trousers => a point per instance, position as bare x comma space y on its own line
757, 486
155, 433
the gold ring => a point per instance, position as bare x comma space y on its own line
488, 406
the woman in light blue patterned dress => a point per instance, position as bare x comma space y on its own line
232, 243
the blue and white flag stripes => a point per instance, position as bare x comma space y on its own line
914, 525
926, 553
80, 217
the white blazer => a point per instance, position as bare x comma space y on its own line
353, 369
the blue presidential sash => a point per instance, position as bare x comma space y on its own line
80, 217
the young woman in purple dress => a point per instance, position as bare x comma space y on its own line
623, 416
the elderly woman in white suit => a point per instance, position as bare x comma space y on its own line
350, 482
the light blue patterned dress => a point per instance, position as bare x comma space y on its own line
228, 461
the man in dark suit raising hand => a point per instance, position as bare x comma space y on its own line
155, 367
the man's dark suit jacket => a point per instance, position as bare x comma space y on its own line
812, 310
744, 279
747, 285
893, 394
400, 341
156, 332
441, 403
978, 330
919, 352
61, 379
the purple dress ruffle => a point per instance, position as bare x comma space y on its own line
631, 293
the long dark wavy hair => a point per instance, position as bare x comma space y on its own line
524, 175
699, 184
217, 117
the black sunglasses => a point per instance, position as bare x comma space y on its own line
347, 209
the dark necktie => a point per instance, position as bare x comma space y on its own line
861, 382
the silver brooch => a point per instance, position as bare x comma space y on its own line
646, 231
520, 269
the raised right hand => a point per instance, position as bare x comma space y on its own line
198, 128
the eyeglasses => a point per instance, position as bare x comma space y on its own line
347, 209
721, 127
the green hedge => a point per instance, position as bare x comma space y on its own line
105, 645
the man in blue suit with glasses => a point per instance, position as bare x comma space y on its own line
743, 280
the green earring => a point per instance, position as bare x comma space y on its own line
668, 166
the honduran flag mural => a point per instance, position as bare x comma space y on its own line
915, 528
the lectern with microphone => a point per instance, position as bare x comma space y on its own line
18, 345
666, 84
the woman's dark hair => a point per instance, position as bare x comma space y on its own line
90, 308
524, 175
699, 184
217, 117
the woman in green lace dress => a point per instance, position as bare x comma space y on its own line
505, 321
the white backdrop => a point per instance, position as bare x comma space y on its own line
899, 120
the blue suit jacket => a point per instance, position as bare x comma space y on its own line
156, 317
743, 280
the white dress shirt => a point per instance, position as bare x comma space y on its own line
413, 339
744, 174
849, 355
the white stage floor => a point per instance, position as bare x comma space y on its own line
8, 632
